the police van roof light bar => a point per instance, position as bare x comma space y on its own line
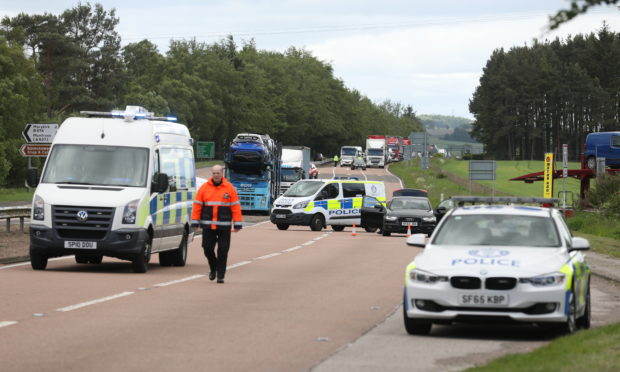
503, 200
129, 114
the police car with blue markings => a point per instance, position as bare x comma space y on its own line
498, 260
118, 184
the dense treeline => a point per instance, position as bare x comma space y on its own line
53, 66
532, 99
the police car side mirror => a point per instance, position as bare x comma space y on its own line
417, 240
32, 177
579, 244
160, 184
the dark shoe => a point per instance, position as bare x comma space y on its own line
212, 275
220, 280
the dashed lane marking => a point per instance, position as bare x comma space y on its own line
93, 302
268, 256
292, 248
7, 323
165, 284
238, 264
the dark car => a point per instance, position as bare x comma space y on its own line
410, 192
398, 215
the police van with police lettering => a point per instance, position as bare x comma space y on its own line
319, 203
117, 184
499, 260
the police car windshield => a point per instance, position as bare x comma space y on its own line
303, 188
97, 165
498, 230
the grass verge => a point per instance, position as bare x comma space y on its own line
14, 195
208, 163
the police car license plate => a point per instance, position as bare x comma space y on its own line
409, 223
280, 216
76, 244
482, 299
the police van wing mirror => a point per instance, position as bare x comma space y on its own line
32, 177
161, 183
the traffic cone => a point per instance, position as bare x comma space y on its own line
408, 230
353, 233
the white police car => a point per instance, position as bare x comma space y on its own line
498, 263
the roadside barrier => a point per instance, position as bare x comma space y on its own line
15, 212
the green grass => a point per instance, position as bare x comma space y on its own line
18, 194
208, 163
591, 350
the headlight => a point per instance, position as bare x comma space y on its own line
418, 275
544, 280
300, 205
38, 210
429, 219
129, 214
391, 218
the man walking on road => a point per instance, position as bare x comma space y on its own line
336, 160
216, 209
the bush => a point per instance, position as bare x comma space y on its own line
605, 196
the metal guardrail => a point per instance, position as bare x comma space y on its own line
21, 212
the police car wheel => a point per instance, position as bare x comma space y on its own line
570, 325
140, 262
337, 227
38, 261
416, 326
316, 224
585, 320
282, 226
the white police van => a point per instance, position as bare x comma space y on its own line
117, 184
318, 203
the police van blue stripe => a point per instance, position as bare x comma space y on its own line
346, 203
179, 206
166, 212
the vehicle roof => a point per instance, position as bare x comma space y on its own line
410, 197
518, 210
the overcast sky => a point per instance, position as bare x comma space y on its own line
423, 53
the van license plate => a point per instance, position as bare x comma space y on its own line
280, 216
76, 244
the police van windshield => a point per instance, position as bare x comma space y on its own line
304, 188
498, 230
97, 165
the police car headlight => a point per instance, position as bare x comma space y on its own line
429, 219
418, 275
301, 205
391, 218
129, 213
38, 210
544, 280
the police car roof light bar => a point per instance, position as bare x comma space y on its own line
504, 200
130, 113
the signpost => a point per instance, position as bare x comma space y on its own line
564, 173
40, 133
482, 170
31, 149
205, 150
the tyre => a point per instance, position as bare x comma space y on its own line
282, 226
178, 257
370, 229
591, 163
81, 258
140, 263
585, 320
316, 224
337, 227
38, 261
570, 325
416, 326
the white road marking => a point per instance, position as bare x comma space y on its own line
292, 248
387, 169
268, 256
7, 323
93, 302
308, 242
364, 174
238, 264
28, 263
164, 284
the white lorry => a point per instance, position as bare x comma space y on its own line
117, 184
348, 154
295, 166
376, 154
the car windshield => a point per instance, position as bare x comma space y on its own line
304, 188
349, 151
97, 165
499, 230
408, 203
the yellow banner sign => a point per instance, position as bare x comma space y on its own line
548, 176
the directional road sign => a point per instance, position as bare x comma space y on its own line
205, 150
31, 149
40, 133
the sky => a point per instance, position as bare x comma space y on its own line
423, 53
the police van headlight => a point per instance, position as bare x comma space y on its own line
129, 214
544, 280
391, 218
418, 275
300, 205
38, 210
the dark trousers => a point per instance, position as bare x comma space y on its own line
335, 163
210, 238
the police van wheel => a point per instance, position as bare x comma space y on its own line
178, 257
416, 326
337, 227
585, 320
370, 229
282, 226
140, 263
316, 224
38, 261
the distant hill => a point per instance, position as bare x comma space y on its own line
443, 121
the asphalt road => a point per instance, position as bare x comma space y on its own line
293, 300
